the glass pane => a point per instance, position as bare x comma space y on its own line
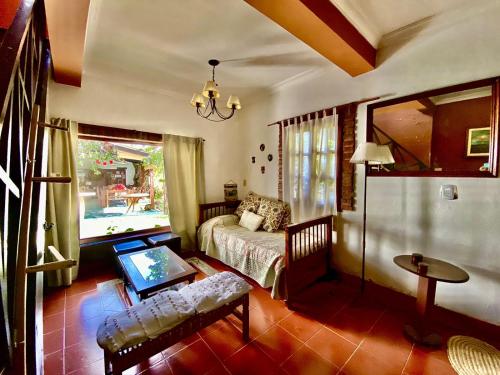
121, 187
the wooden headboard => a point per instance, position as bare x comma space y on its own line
210, 210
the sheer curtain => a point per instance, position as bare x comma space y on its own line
309, 167
185, 184
62, 199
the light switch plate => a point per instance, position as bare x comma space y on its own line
449, 192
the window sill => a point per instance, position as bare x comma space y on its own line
111, 238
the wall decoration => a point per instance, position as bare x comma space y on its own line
263, 169
270, 157
253, 159
262, 147
478, 142
230, 191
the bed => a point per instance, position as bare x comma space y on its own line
286, 261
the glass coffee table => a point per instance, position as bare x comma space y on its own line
151, 270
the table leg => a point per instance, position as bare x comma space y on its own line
426, 293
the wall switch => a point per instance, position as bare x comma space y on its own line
244, 182
449, 192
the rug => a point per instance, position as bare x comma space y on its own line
112, 292
470, 356
202, 266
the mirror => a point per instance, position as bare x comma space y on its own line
446, 132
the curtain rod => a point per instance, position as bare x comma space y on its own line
325, 109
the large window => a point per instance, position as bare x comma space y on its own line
310, 167
121, 187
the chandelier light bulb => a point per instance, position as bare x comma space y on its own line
198, 101
233, 101
210, 87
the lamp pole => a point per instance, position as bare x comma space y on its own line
364, 230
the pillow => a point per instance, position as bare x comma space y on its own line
273, 213
287, 216
251, 221
250, 203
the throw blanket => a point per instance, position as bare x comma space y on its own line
146, 320
215, 291
163, 311
258, 255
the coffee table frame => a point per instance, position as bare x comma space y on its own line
144, 292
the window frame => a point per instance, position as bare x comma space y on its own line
109, 134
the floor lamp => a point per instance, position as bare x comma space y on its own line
369, 153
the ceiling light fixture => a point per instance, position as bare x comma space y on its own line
210, 91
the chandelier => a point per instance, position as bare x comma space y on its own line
210, 91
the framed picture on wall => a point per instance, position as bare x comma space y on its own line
478, 141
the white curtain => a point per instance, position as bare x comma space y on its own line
309, 167
185, 184
62, 199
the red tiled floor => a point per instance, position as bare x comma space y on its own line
278, 344
53, 363
331, 346
53, 322
53, 341
422, 364
300, 326
332, 329
194, 359
251, 360
225, 341
306, 362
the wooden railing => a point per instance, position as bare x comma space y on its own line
306, 238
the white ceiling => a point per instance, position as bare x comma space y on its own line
164, 45
376, 18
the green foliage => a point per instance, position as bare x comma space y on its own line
129, 230
111, 229
91, 151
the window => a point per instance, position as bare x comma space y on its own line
310, 167
121, 187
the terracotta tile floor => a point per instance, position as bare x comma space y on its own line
335, 331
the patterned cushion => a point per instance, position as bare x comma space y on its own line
287, 216
273, 213
250, 203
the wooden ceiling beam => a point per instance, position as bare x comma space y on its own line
67, 26
319, 24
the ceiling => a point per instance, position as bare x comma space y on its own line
165, 45
376, 18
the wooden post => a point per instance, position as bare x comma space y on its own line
22, 252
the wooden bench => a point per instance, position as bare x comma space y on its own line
118, 361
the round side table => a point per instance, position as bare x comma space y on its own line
438, 270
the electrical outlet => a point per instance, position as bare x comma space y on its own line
449, 192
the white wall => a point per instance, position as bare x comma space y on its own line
405, 214
105, 102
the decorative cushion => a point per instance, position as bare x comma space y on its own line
251, 221
273, 213
287, 216
250, 203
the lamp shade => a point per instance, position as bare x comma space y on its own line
372, 153
384, 155
198, 99
210, 87
233, 100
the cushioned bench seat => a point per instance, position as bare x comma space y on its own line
149, 327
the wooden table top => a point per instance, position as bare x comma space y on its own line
438, 269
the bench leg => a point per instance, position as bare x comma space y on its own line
246, 318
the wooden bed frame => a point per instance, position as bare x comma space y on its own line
116, 363
305, 261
